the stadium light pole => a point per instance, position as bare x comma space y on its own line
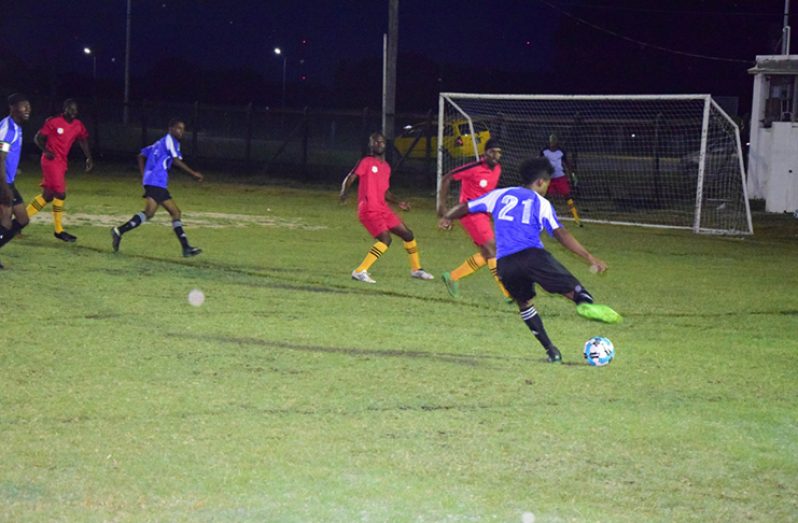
126, 101
88, 52
279, 52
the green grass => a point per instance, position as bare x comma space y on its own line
296, 394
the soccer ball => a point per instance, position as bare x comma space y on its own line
599, 351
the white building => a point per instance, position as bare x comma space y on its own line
773, 155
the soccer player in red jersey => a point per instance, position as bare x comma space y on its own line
373, 195
55, 139
476, 178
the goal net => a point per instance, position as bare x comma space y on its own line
660, 160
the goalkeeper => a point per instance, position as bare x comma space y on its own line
560, 185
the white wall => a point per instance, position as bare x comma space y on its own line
781, 191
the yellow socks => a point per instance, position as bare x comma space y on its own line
492, 267
412, 252
58, 215
574, 212
36, 205
470, 266
377, 250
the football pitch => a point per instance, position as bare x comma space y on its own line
296, 394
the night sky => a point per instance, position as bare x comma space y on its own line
504, 46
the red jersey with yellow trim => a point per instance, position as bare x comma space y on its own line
476, 179
61, 134
374, 177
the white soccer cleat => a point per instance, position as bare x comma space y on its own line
421, 274
362, 276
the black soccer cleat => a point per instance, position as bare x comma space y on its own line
116, 239
191, 251
554, 355
65, 236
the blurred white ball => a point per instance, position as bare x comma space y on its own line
594, 269
196, 297
527, 517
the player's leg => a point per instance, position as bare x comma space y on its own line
556, 279
177, 225
39, 202
375, 225
20, 217
518, 279
411, 247
5, 224
59, 198
150, 206
561, 187
488, 250
473, 263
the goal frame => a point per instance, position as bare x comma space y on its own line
709, 104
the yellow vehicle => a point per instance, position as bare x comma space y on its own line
457, 140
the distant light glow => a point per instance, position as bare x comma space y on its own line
87, 50
278, 51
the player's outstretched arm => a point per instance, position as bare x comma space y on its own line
194, 174
458, 211
142, 161
443, 194
572, 244
392, 198
346, 184
84, 146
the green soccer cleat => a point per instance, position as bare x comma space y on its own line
451, 285
598, 312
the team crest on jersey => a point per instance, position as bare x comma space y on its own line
483, 183
60, 130
374, 168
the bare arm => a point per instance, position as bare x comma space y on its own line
443, 194
346, 184
41, 142
392, 198
573, 245
458, 211
194, 174
142, 163
84, 146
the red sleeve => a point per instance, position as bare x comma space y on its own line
47, 129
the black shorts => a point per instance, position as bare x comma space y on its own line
159, 194
520, 272
16, 198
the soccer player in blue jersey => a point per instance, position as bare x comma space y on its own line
520, 214
11, 202
154, 164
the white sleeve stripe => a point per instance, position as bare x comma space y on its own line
4, 130
489, 200
547, 214
5, 147
170, 146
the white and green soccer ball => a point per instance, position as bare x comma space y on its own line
599, 351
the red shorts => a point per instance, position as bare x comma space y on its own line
479, 227
377, 221
559, 187
54, 175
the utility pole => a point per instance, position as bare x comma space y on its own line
391, 47
125, 108
785, 32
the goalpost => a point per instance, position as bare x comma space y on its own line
671, 161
